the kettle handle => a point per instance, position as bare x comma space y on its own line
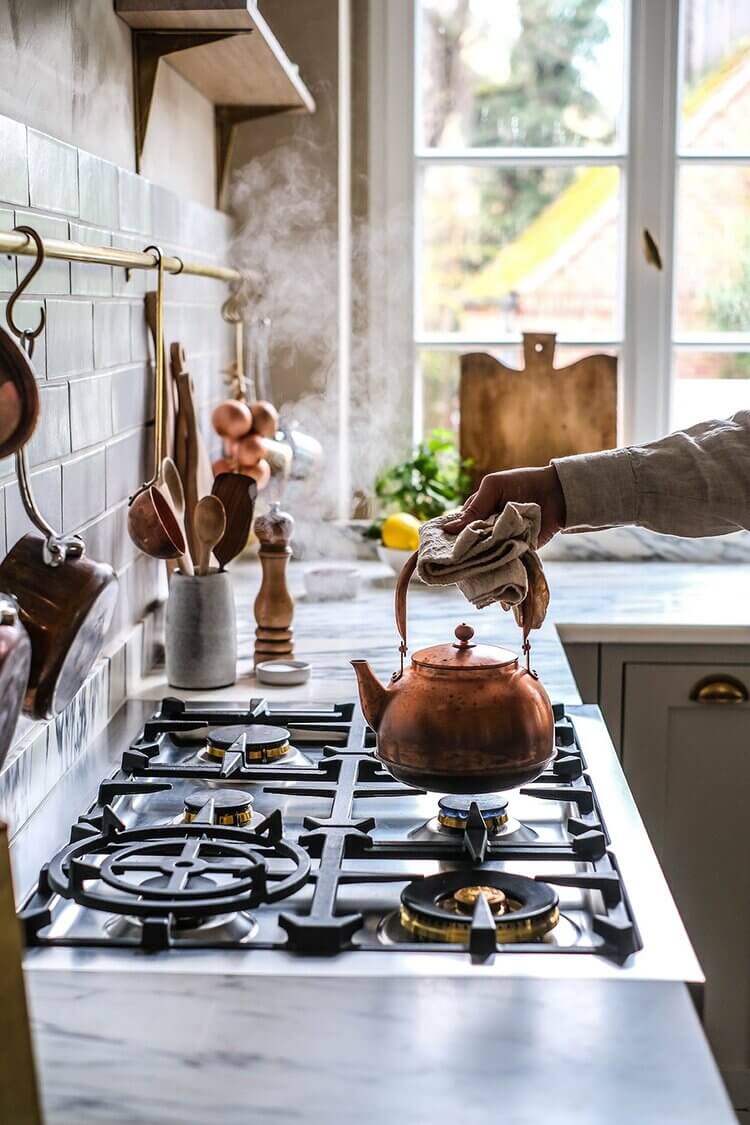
526, 609
402, 586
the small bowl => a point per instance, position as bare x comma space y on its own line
393, 557
282, 673
331, 583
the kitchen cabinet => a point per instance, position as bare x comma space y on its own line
688, 766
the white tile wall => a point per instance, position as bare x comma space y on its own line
93, 445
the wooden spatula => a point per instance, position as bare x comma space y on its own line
237, 493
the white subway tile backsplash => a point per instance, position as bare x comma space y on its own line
132, 397
70, 337
47, 489
111, 333
128, 463
140, 340
51, 438
94, 443
54, 276
98, 188
14, 168
53, 174
83, 489
90, 411
135, 203
86, 278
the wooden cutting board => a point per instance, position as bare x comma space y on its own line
511, 419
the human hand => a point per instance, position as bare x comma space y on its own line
524, 486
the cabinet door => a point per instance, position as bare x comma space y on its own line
688, 764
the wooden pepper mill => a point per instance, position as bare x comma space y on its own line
274, 605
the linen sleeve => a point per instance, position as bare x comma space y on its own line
694, 482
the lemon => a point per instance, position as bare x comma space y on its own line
401, 532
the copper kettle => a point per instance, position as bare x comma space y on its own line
464, 717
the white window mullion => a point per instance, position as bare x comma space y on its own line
647, 351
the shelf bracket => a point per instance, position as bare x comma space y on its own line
227, 118
148, 48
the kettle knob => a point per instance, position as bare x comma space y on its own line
463, 634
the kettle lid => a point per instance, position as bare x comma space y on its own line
463, 655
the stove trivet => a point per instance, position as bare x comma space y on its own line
441, 907
455, 808
219, 806
194, 871
259, 743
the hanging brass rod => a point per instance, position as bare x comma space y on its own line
11, 243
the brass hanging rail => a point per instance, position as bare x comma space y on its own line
11, 243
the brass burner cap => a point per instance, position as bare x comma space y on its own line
466, 897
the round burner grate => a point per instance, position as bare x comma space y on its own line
189, 871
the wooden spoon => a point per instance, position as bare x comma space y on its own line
237, 493
173, 484
209, 525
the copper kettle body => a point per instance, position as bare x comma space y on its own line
463, 717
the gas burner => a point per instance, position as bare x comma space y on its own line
259, 743
225, 929
440, 907
180, 875
218, 806
454, 811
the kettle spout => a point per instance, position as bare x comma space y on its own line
372, 694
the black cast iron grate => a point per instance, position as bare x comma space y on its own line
90, 869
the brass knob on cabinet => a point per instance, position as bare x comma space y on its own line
719, 689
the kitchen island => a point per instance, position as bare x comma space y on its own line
187, 1038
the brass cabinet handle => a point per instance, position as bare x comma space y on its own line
719, 689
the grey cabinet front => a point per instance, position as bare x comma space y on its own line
688, 765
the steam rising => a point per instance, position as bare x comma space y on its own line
286, 207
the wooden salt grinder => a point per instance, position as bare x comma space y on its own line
274, 605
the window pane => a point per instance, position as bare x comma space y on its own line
526, 73
510, 250
440, 372
715, 113
709, 385
713, 249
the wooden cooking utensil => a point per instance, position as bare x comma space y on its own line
512, 418
173, 485
195, 471
238, 494
209, 525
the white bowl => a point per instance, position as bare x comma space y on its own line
331, 583
393, 557
284, 673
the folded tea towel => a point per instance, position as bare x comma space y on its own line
490, 561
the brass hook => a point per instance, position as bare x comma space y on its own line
27, 336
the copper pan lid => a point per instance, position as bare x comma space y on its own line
463, 655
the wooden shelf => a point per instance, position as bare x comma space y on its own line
226, 50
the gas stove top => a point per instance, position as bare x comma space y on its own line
262, 827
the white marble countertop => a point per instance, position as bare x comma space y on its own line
602, 602
116, 1048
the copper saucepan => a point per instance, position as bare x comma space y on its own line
15, 661
464, 717
65, 599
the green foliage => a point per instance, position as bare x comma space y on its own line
729, 309
432, 481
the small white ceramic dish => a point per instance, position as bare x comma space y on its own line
331, 583
283, 673
393, 557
